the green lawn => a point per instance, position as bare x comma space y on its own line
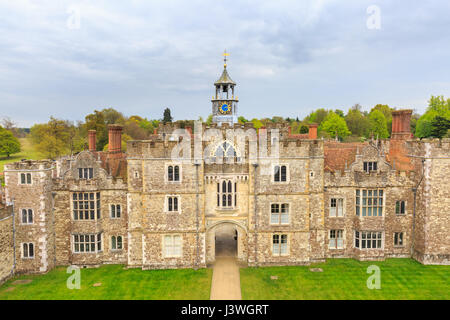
28, 152
116, 283
346, 279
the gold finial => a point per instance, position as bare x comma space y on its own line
225, 54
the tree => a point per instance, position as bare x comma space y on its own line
387, 112
413, 124
378, 124
242, 120
113, 116
357, 123
147, 125
317, 116
167, 117
99, 121
209, 120
8, 143
334, 125
303, 129
437, 106
339, 112
256, 123
96, 121
134, 130
54, 138
439, 127
277, 119
10, 125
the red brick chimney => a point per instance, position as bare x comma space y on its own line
92, 138
401, 124
189, 129
115, 138
312, 133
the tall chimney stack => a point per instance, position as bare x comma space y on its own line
312, 133
92, 139
114, 138
401, 124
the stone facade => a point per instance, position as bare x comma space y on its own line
6, 242
317, 173
315, 200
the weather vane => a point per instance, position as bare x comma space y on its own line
225, 54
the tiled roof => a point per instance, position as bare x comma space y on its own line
398, 156
339, 155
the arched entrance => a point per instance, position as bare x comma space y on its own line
226, 239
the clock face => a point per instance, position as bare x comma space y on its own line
224, 108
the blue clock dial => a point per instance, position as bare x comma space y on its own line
224, 107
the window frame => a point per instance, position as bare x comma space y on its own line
172, 245
166, 203
370, 166
115, 211
360, 206
280, 237
27, 250
280, 165
367, 239
400, 202
230, 196
401, 237
96, 210
27, 212
279, 213
337, 199
85, 173
26, 175
336, 233
115, 243
166, 173
96, 243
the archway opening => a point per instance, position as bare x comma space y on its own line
226, 240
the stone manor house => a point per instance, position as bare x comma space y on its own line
141, 208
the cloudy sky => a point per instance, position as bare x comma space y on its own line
67, 58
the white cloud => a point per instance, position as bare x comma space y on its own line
142, 55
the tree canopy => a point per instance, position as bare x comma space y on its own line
437, 106
167, 117
334, 125
56, 138
378, 125
317, 116
440, 127
387, 112
357, 123
8, 143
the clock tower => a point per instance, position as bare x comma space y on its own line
224, 102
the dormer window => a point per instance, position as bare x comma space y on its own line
370, 166
85, 173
